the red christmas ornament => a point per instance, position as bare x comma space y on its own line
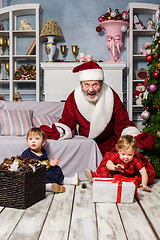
156, 55
145, 82
156, 74
149, 58
98, 29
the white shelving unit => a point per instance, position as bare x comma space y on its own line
135, 61
19, 41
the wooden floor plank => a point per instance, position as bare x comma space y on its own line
9, 217
150, 202
58, 220
135, 223
83, 224
32, 221
109, 223
156, 187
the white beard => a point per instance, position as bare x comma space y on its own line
93, 100
99, 114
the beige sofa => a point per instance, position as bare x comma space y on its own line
76, 154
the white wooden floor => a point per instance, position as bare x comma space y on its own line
73, 216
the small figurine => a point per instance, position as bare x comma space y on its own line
17, 97
25, 25
140, 89
150, 24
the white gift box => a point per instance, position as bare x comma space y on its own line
108, 190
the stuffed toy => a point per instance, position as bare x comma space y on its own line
25, 25
17, 97
140, 89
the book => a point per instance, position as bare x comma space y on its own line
31, 47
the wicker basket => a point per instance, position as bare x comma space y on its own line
22, 189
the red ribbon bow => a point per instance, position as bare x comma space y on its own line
119, 178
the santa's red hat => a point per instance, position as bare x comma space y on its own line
89, 71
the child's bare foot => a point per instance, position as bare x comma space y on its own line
88, 175
57, 188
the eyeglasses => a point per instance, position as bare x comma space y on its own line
88, 86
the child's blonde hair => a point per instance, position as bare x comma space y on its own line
125, 142
37, 131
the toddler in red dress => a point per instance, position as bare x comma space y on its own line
126, 162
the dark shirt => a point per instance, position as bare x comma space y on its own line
29, 153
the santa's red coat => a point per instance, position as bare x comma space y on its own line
107, 139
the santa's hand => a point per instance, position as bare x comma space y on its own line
54, 162
119, 168
64, 130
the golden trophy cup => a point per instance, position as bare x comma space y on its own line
7, 69
74, 51
63, 50
7, 43
2, 42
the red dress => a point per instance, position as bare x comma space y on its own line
130, 170
108, 138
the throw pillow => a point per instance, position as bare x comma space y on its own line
15, 122
44, 120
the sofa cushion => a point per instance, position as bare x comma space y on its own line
15, 123
44, 120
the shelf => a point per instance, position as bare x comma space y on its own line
4, 33
24, 56
23, 33
144, 32
135, 40
24, 81
4, 81
19, 42
138, 80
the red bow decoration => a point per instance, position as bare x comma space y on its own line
119, 178
114, 42
51, 133
145, 140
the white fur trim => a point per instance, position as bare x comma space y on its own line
91, 74
64, 130
99, 114
133, 131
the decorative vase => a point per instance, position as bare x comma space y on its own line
114, 36
50, 48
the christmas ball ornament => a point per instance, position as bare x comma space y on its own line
100, 19
103, 17
125, 15
98, 29
149, 58
158, 134
108, 10
156, 55
113, 14
145, 115
158, 65
109, 17
152, 88
156, 74
123, 28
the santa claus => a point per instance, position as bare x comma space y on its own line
96, 109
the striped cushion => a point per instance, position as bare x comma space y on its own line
44, 120
15, 122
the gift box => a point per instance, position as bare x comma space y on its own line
113, 190
21, 189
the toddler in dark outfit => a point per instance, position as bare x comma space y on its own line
36, 139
